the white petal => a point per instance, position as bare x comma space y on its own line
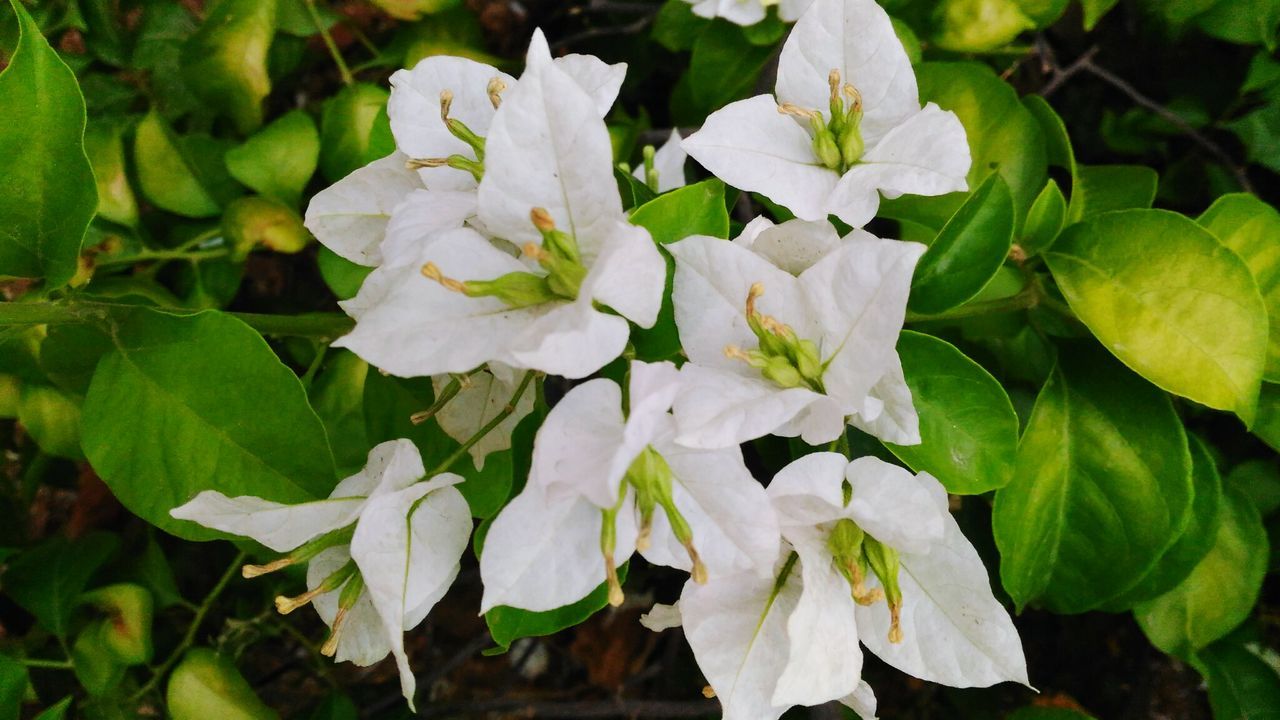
902, 510
580, 450
793, 246
410, 326
408, 545
734, 527
350, 217
280, 527
661, 617
751, 146
809, 491
571, 339
898, 422
857, 38
479, 401
791, 10
364, 639
392, 465
858, 295
718, 408
954, 630
423, 214
741, 12
862, 701
818, 424
652, 387
825, 662
668, 162
630, 275
548, 148
737, 628
414, 110
927, 154
599, 79
712, 280
541, 555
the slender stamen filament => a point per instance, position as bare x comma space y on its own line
797, 111
432, 272
286, 605
699, 573
253, 571
895, 623
833, 80
757, 290
419, 163
330, 646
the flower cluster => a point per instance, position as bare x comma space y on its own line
502, 254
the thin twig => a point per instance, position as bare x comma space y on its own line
1061, 75
604, 31
343, 70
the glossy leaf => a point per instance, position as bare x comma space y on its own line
167, 176
1103, 456
1095, 9
1045, 220
208, 407
47, 580
978, 25
968, 429
280, 159
104, 145
1258, 480
967, 252
1170, 301
47, 189
345, 126
1250, 228
338, 398
1101, 188
225, 61
1242, 685
1220, 592
53, 419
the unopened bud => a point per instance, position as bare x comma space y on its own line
780, 370
825, 147
650, 169
851, 144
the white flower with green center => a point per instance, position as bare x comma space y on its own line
459, 301
845, 128
791, 330
603, 486
380, 551
748, 12
876, 558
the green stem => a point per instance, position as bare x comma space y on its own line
164, 255
343, 70
450, 392
189, 638
48, 664
314, 325
494, 423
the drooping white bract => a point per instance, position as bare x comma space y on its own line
387, 200
845, 128
865, 535
381, 550
602, 485
668, 165
748, 12
792, 330
484, 395
548, 188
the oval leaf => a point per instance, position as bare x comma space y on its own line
280, 159
968, 430
225, 62
200, 402
967, 252
1103, 456
165, 174
1170, 301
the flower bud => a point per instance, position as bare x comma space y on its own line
126, 631
780, 370
250, 223
207, 685
886, 563
825, 147
851, 144
516, 289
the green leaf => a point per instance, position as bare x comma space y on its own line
166, 174
1094, 10
1170, 301
13, 687
1267, 426
342, 276
1250, 227
675, 27
978, 25
1043, 12
104, 145
967, 252
1220, 592
697, 209
1242, 685
1048, 713
280, 159
723, 68
1259, 131
1056, 138
47, 189
414, 9
345, 127
1259, 480
53, 419
1194, 543
47, 580
96, 666
338, 398
208, 685
209, 407
1103, 456
968, 430
225, 61
1100, 188
1247, 22
335, 707
57, 711
1003, 135
1045, 220
508, 624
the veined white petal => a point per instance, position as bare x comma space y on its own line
480, 400
895, 506
278, 526
808, 491
350, 217
423, 215
600, 80
570, 339
580, 450
719, 408
825, 661
794, 246
898, 422
629, 275
364, 639
392, 465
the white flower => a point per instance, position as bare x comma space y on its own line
846, 125
877, 559
386, 200
481, 398
602, 486
791, 330
459, 301
381, 550
748, 12
668, 166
